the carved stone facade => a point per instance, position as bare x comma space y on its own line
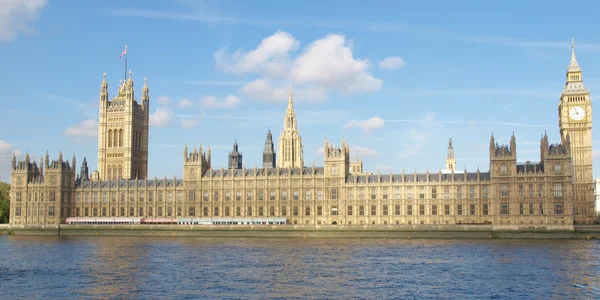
575, 122
510, 195
123, 133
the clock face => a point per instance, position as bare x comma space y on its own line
577, 113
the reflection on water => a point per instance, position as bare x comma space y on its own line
120, 267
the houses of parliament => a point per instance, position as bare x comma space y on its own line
554, 192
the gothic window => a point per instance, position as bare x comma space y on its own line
485, 209
109, 171
558, 208
110, 136
398, 193
504, 190
115, 138
459, 209
120, 171
558, 190
349, 209
504, 209
459, 192
503, 169
446, 192
471, 192
557, 168
434, 210
334, 193
446, 209
121, 138
334, 210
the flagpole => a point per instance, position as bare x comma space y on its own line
125, 63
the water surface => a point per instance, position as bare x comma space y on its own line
191, 268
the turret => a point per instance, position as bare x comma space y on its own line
84, 173
145, 94
104, 90
450, 159
235, 157
14, 161
336, 160
269, 156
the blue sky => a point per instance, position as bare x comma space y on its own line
396, 78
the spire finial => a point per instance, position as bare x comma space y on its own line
290, 101
104, 77
145, 80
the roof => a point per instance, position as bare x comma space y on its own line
130, 183
264, 172
419, 177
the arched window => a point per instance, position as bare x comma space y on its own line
110, 136
121, 138
121, 167
114, 175
109, 172
115, 138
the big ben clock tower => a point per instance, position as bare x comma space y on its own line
575, 122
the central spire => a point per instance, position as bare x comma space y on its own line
290, 101
290, 143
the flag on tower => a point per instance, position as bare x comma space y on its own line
124, 52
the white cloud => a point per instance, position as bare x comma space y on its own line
391, 63
6, 153
366, 125
230, 101
326, 65
185, 103
263, 90
16, 17
329, 63
85, 128
270, 57
161, 117
362, 152
163, 100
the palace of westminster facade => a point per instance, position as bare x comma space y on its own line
555, 192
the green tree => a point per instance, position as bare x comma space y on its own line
4, 202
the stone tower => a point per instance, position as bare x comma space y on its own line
269, 157
123, 133
575, 122
336, 160
235, 157
290, 142
450, 159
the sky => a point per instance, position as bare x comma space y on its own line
397, 79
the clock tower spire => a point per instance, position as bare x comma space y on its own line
575, 122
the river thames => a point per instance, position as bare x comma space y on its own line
227, 268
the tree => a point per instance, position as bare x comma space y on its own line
4, 202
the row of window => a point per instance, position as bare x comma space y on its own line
362, 210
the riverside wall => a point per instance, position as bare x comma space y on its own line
323, 231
